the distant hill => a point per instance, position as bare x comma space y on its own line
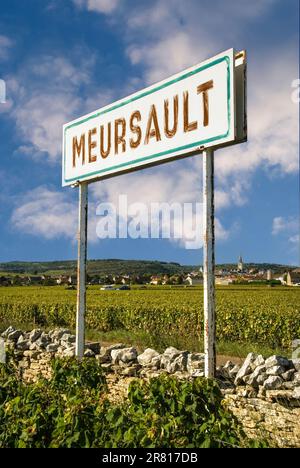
99, 267
122, 267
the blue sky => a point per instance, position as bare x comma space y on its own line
63, 58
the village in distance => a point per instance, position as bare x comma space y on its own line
113, 272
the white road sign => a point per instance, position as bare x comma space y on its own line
201, 107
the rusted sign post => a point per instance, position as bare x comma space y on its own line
81, 268
194, 112
209, 264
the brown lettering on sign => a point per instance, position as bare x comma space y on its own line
152, 120
204, 88
120, 138
79, 148
171, 132
105, 153
91, 145
187, 125
135, 129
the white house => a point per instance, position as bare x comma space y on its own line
191, 281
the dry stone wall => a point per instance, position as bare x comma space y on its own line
263, 394
274, 417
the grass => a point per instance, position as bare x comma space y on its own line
143, 340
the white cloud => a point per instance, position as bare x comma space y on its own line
168, 36
5, 46
50, 214
288, 229
283, 225
106, 7
43, 130
295, 240
221, 233
47, 93
46, 213
165, 57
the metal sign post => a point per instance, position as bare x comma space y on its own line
81, 268
202, 108
209, 264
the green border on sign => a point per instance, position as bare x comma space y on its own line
146, 93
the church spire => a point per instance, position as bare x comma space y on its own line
240, 263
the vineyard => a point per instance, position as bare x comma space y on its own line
268, 316
72, 410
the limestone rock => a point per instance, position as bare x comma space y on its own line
195, 362
223, 372
259, 361
288, 375
179, 364
228, 365
68, 338
131, 371
35, 335
296, 377
234, 372
52, 348
69, 352
89, 353
252, 381
277, 361
247, 380
14, 336
95, 347
128, 355
42, 342
246, 369
155, 363
261, 379
296, 364
246, 392
273, 383
296, 392
33, 347
146, 358
58, 333
275, 370
169, 355
197, 373
105, 352
31, 354
23, 345
7, 332
290, 385
106, 367
125, 355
